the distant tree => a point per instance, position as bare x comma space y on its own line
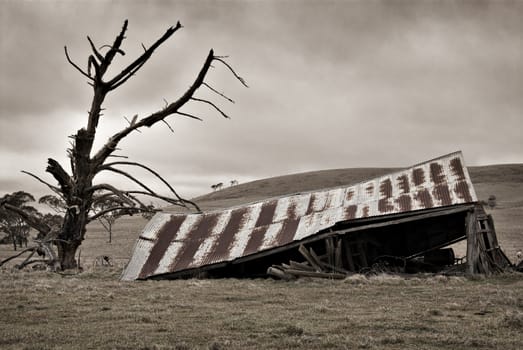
53, 202
12, 223
107, 218
492, 201
77, 188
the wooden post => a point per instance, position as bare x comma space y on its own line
337, 255
329, 248
348, 254
472, 248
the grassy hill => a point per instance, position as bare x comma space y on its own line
44, 310
504, 181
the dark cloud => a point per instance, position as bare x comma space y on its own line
332, 84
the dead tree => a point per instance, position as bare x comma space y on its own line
77, 188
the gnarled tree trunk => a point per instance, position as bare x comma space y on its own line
76, 189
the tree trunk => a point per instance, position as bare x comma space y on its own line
67, 253
71, 236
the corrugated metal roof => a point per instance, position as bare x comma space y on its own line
175, 242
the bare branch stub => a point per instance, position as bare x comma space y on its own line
213, 105
219, 59
217, 92
75, 65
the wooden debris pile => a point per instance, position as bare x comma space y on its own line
328, 265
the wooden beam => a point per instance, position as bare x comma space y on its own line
300, 266
309, 258
348, 255
329, 249
472, 248
316, 258
274, 271
331, 275
337, 254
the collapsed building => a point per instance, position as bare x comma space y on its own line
403, 221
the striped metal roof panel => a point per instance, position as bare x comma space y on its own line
175, 242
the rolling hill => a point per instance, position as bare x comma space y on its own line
504, 181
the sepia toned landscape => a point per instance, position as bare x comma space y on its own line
94, 309
111, 111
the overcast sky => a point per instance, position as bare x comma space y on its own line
333, 84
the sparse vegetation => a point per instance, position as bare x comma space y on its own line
359, 312
381, 312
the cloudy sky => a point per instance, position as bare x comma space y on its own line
333, 84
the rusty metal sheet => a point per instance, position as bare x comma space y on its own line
176, 242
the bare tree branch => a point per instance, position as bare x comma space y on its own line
110, 165
106, 211
95, 51
170, 128
152, 119
30, 249
219, 59
190, 116
219, 93
75, 65
212, 104
53, 188
112, 189
168, 199
140, 61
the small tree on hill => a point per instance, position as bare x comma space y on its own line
108, 219
491, 201
77, 188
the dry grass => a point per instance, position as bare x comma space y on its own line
94, 310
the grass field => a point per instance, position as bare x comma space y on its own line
95, 310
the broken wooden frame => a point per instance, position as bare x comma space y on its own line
406, 243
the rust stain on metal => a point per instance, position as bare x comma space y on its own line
288, 231
424, 198
223, 245
291, 210
436, 173
350, 212
457, 169
255, 240
198, 236
405, 202
165, 236
442, 193
310, 208
173, 243
418, 176
403, 184
463, 191
267, 213
384, 204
